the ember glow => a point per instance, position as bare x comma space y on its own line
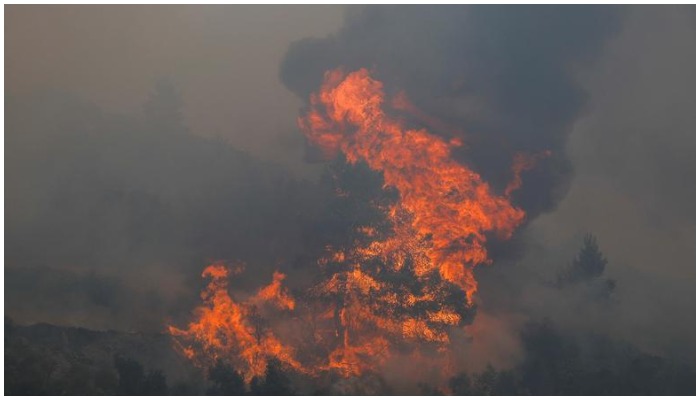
402, 285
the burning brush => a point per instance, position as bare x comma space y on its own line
400, 286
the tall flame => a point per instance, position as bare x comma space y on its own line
447, 201
409, 284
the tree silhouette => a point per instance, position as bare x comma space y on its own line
590, 262
155, 384
275, 382
588, 267
133, 381
461, 385
131, 376
555, 362
226, 381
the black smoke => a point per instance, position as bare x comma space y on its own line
504, 75
111, 215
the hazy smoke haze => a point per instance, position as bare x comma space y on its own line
144, 142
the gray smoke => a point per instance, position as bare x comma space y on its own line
114, 203
610, 91
504, 75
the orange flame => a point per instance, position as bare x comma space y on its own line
522, 163
276, 294
390, 288
228, 329
448, 201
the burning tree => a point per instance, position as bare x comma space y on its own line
401, 281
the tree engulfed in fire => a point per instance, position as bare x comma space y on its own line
226, 328
408, 284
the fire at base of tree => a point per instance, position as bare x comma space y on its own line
44, 359
396, 205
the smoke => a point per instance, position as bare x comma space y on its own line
111, 217
224, 64
504, 76
634, 154
114, 216
510, 79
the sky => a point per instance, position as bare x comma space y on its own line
634, 153
610, 90
224, 61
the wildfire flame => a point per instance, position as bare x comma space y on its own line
408, 284
522, 163
447, 201
227, 329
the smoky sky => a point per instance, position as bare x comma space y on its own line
129, 134
502, 74
223, 60
634, 152
143, 142
609, 90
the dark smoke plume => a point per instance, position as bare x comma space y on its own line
503, 76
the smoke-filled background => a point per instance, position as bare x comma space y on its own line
143, 142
